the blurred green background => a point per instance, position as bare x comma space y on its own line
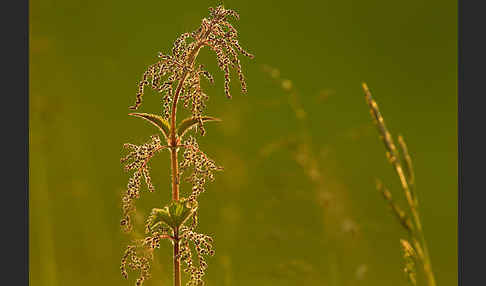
271, 224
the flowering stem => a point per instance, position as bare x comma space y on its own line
175, 166
175, 180
182, 81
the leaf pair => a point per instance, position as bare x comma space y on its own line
163, 125
173, 215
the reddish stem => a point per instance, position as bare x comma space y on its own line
173, 143
177, 263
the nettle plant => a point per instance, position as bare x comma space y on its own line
177, 77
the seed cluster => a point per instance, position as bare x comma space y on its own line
140, 155
410, 257
134, 261
193, 97
203, 167
401, 161
139, 255
400, 214
178, 71
203, 246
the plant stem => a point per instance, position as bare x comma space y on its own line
173, 142
426, 258
175, 172
175, 178
177, 266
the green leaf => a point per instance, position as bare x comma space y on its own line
158, 218
180, 211
156, 120
173, 215
189, 123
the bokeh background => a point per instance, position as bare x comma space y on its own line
273, 225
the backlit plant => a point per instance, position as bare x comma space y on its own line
414, 248
177, 78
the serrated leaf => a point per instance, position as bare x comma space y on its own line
158, 217
157, 120
189, 123
180, 212
174, 215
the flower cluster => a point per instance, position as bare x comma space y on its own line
203, 167
133, 261
224, 42
139, 255
193, 97
178, 69
140, 155
203, 246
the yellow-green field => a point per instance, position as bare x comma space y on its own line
296, 203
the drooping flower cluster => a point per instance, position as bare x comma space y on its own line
193, 97
140, 155
176, 75
203, 167
203, 246
138, 256
131, 260
224, 42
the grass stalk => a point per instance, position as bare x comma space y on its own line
402, 165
